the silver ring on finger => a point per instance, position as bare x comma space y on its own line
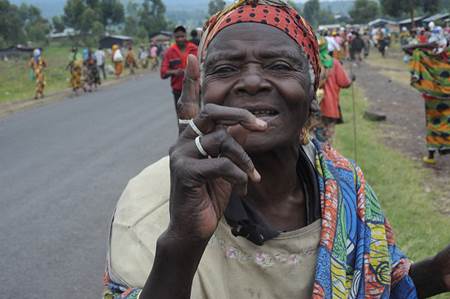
195, 128
200, 148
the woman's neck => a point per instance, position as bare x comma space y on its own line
279, 196
278, 170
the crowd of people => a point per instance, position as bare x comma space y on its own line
347, 44
88, 67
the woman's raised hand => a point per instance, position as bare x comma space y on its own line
189, 103
201, 185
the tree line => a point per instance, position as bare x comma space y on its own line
19, 24
90, 20
364, 11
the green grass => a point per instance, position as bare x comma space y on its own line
421, 231
15, 82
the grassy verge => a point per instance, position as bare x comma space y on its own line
421, 230
15, 81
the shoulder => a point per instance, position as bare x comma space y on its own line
335, 159
141, 216
340, 169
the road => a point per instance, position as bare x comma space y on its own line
62, 168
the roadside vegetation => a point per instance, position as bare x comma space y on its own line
16, 79
398, 181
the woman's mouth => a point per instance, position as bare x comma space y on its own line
263, 112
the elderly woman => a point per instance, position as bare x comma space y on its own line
253, 213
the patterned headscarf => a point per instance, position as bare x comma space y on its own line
276, 13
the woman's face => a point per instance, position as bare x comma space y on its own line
261, 69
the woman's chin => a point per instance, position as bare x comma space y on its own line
258, 142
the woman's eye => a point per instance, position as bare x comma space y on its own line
224, 69
280, 66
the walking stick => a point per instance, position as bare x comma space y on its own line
355, 146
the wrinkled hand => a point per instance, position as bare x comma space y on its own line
442, 264
189, 103
201, 186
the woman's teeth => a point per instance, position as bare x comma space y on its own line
263, 112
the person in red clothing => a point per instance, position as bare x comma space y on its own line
337, 78
175, 61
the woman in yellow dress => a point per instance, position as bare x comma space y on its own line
75, 67
117, 59
37, 65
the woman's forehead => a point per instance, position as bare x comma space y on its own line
250, 33
237, 39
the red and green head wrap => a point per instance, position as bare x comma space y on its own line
276, 13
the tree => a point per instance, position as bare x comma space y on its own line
73, 11
35, 26
112, 12
215, 6
152, 16
364, 11
58, 24
395, 8
431, 6
311, 11
11, 24
88, 18
326, 16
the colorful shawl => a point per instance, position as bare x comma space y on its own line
430, 73
357, 256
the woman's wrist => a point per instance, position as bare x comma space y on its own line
176, 261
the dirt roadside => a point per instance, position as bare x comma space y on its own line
404, 129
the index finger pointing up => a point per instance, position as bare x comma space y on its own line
189, 102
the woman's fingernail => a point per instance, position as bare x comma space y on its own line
261, 123
256, 175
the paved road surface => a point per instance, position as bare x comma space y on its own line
62, 168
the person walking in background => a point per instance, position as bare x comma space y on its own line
333, 46
130, 60
366, 39
84, 69
194, 37
75, 67
154, 56
429, 68
356, 47
100, 57
336, 79
93, 76
175, 61
117, 59
37, 65
143, 57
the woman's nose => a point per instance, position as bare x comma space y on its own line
252, 82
